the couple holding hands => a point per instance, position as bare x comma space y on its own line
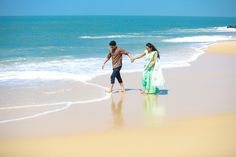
152, 73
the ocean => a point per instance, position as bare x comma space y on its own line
49, 48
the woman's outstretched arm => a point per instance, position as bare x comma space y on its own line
138, 57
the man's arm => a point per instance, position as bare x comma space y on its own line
126, 53
130, 55
106, 60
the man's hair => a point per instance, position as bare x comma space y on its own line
112, 43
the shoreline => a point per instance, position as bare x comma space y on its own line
203, 50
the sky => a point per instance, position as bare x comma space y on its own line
217, 8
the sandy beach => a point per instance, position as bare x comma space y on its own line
227, 47
195, 115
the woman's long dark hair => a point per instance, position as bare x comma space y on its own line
153, 49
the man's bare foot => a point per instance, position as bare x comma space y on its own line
109, 90
122, 87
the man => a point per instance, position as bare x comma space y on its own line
116, 54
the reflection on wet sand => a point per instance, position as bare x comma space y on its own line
153, 110
117, 110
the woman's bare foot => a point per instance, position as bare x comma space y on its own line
142, 92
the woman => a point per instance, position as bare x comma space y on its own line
152, 74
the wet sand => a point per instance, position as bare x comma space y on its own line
196, 118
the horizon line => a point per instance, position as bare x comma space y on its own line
119, 15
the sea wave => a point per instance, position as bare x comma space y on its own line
159, 33
118, 36
196, 39
76, 69
58, 69
222, 29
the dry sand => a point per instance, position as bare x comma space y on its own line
228, 47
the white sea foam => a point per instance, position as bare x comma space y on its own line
80, 69
196, 39
223, 29
61, 69
71, 69
118, 36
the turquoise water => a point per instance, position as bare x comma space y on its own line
73, 47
